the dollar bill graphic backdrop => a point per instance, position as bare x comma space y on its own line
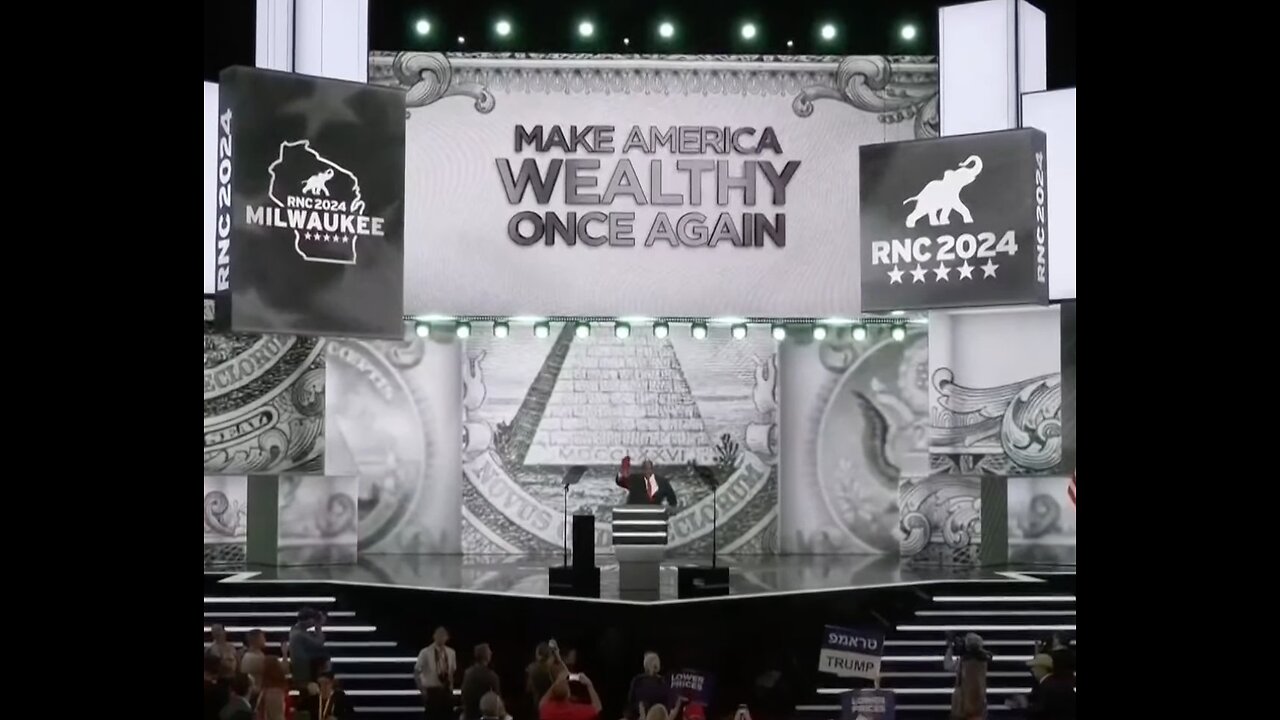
854, 423
226, 508
995, 392
1042, 521
263, 402
534, 407
394, 422
317, 520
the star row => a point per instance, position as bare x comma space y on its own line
942, 273
322, 237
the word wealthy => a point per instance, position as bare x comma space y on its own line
639, 182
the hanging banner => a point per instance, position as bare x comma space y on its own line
851, 653
867, 705
955, 222
310, 206
612, 185
697, 690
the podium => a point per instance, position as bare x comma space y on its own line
640, 543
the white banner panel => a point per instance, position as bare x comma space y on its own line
1054, 112
655, 186
210, 181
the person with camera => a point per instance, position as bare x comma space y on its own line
968, 659
434, 672
306, 647
558, 702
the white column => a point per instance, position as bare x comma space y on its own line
332, 39
210, 180
991, 53
1054, 112
273, 33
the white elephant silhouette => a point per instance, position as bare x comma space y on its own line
940, 197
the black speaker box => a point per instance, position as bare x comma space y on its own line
702, 581
584, 543
570, 581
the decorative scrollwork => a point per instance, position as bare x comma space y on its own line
898, 89
429, 77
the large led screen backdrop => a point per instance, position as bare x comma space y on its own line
643, 185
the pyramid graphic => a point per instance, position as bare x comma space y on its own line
597, 399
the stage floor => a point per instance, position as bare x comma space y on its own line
527, 575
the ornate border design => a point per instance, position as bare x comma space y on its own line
897, 88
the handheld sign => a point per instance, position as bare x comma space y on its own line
867, 705
696, 689
851, 653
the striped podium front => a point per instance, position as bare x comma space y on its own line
639, 525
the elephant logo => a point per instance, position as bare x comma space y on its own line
940, 197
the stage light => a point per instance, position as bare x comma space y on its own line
621, 330
501, 330
462, 40
422, 27
748, 31
898, 312
586, 29
790, 44
541, 330
626, 41
859, 333
779, 333
698, 331
898, 333
583, 330
463, 330
502, 27
422, 329
666, 30
739, 332
908, 32
660, 330
828, 32
819, 332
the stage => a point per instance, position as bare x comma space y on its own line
526, 575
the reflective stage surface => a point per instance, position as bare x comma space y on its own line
527, 575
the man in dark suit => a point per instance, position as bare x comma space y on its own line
647, 488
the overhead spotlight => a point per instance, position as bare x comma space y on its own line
698, 331
501, 329
463, 330
908, 32
626, 41
828, 32
748, 31
898, 333
666, 30
859, 332
462, 40
586, 29
790, 44
422, 27
502, 27
739, 332
779, 333
541, 330
583, 330
898, 312
819, 332
422, 329
660, 330
621, 330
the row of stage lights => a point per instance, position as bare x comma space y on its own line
697, 330
666, 30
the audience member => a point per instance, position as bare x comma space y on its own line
216, 690
328, 701
222, 649
647, 689
539, 675
558, 703
306, 646
434, 673
255, 646
491, 707
1053, 695
969, 698
273, 696
238, 706
477, 681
